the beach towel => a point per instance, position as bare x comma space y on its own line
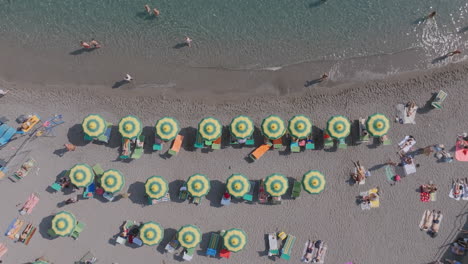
304, 252
433, 196
401, 114
322, 255
421, 224
3, 249
409, 168
461, 154
457, 197
424, 197
431, 232
30, 204
408, 147
390, 173
365, 206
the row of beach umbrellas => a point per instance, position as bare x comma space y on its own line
241, 127
152, 233
198, 185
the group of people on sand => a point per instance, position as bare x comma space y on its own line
434, 224
93, 44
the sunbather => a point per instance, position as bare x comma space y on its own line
457, 189
320, 250
407, 143
308, 255
410, 108
435, 224
427, 219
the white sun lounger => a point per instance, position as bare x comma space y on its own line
273, 243
409, 168
407, 148
303, 259
322, 257
401, 114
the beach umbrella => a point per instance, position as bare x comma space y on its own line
63, 223
112, 181
338, 127
210, 128
189, 236
130, 127
156, 187
377, 125
313, 182
276, 184
242, 127
81, 175
94, 125
273, 127
198, 185
235, 239
238, 185
151, 233
300, 126
167, 128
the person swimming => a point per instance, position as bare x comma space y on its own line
188, 41
148, 9
85, 45
156, 12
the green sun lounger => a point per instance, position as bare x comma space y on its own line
183, 193
213, 245
310, 144
199, 143
216, 144
440, 98
78, 229
249, 196
296, 189
51, 233
342, 144
295, 147
328, 142
98, 170
158, 144
387, 142
138, 151
287, 248
106, 136
197, 200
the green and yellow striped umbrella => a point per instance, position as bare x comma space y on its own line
151, 233
300, 126
156, 187
235, 239
238, 185
276, 184
81, 175
210, 128
242, 127
313, 182
94, 125
189, 236
167, 128
63, 223
273, 127
112, 181
338, 127
198, 185
130, 127
378, 125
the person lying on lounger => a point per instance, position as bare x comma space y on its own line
427, 220
310, 247
435, 224
428, 188
410, 108
320, 251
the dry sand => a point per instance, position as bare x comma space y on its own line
389, 234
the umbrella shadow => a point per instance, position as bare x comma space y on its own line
205, 243
137, 191
216, 192
148, 132
174, 188
288, 194
75, 136
44, 226
169, 233
375, 143
190, 134
145, 15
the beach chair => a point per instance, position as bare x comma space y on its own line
249, 196
6, 137
213, 245
259, 152
197, 200
224, 253
188, 254
183, 193
176, 144
24, 170
56, 187
106, 136
319, 253
78, 229
310, 144
120, 240
250, 141
172, 245
98, 170
158, 144
327, 141
439, 99
89, 191
296, 189
363, 134
288, 245
127, 143
226, 199
342, 143
30, 123
138, 151
199, 143
278, 143
3, 129
137, 241
88, 258
387, 141
262, 195
295, 147
273, 245
216, 144
51, 233
276, 200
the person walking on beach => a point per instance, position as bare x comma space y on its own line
188, 41
128, 78
450, 54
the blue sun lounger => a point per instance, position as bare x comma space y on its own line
7, 136
3, 129
213, 245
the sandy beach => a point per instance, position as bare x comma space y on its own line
388, 234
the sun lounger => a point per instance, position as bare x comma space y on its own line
387, 142
6, 137
216, 144
3, 129
226, 199
199, 143
259, 152
430, 216
224, 253
106, 136
310, 144
213, 245
249, 196
172, 245
176, 144
262, 194
25, 234
188, 254
56, 186
29, 205
407, 147
342, 144
273, 244
109, 196
401, 111
461, 154
277, 143
89, 191
319, 254
327, 141
16, 228
98, 170
120, 240
78, 229
439, 99
363, 134
139, 147
30, 123
137, 241
88, 258
11, 226
158, 144
196, 200
295, 147
3, 249
126, 144
24, 170
165, 198
287, 247
183, 193
296, 189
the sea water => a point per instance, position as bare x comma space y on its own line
241, 34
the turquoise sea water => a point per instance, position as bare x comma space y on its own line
240, 34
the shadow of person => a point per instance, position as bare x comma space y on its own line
180, 45
419, 20
312, 82
142, 14
317, 3
118, 84
427, 106
81, 51
60, 152
439, 59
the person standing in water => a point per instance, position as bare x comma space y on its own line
156, 12
431, 15
148, 9
188, 41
